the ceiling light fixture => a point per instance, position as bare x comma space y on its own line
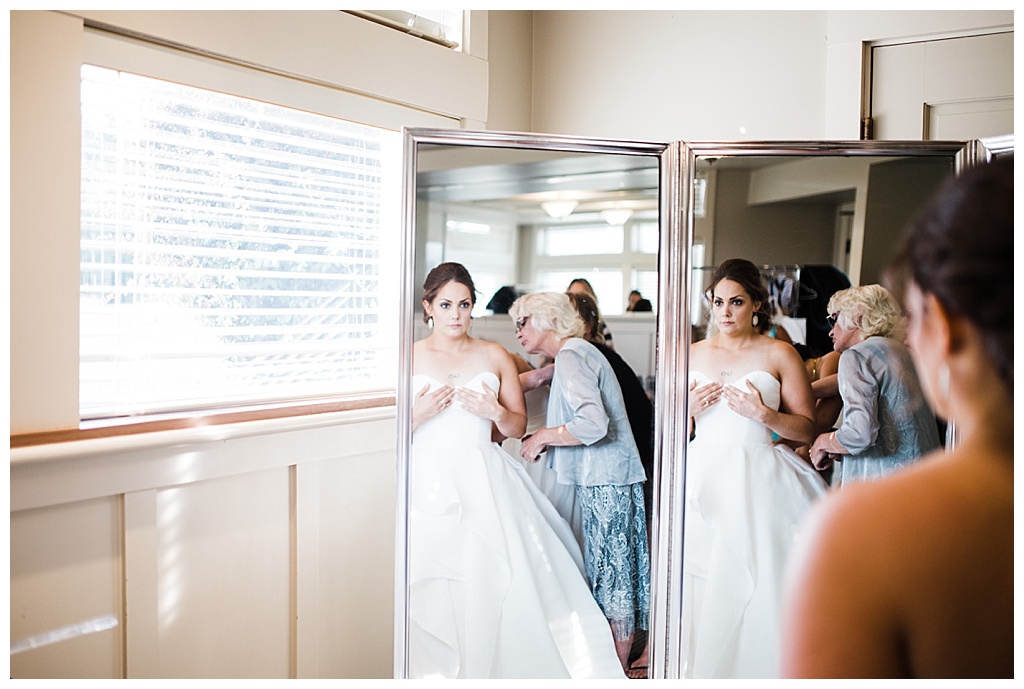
559, 209
617, 216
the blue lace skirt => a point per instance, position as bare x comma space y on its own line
615, 553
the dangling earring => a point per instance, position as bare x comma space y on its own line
430, 322
755, 320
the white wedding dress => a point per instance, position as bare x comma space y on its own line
497, 588
745, 500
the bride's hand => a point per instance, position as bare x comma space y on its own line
427, 405
748, 404
703, 397
483, 404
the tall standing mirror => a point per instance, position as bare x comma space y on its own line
814, 218
526, 214
533, 212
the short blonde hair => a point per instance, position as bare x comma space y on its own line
871, 309
549, 311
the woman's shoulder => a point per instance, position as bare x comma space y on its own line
579, 347
879, 345
488, 346
918, 507
781, 355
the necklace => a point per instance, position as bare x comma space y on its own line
725, 374
454, 375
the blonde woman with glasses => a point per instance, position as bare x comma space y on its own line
887, 422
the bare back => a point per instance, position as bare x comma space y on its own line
917, 573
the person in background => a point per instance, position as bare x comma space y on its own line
582, 286
641, 421
589, 443
828, 403
638, 405
637, 302
912, 575
887, 422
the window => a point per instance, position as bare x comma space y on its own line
646, 237
232, 251
485, 240
607, 284
577, 240
614, 258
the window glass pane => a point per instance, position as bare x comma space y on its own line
487, 247
232, 251
580, 240
607, 286
645, 237
700, 281
646, 282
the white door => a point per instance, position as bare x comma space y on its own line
948, 89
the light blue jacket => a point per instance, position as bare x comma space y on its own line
886, 421
585, 396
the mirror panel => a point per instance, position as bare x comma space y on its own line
805, 212
530, 213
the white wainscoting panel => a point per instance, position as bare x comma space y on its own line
260, 550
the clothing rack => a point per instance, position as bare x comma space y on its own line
783, 283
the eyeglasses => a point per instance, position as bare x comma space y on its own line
521, 323
831, 320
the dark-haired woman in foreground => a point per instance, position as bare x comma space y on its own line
921, 582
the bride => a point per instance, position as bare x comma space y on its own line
745, 494
497, 588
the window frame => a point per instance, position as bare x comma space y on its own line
113, 50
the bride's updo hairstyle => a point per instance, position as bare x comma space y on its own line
747, 276
550, 311
959, 249
440, 276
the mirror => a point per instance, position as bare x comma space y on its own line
785, 205
815, 218
527, 214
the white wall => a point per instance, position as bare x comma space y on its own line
725, 75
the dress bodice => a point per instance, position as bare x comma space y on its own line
455, 425
722, 422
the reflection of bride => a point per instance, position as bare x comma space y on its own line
745, 495
497, 588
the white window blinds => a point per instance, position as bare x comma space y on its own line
232, 251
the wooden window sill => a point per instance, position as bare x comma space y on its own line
108, 428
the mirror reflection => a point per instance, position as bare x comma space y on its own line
799, 382
515, 569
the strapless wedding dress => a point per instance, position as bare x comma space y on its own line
497, 584
745, 500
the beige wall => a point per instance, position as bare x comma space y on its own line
727, 75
